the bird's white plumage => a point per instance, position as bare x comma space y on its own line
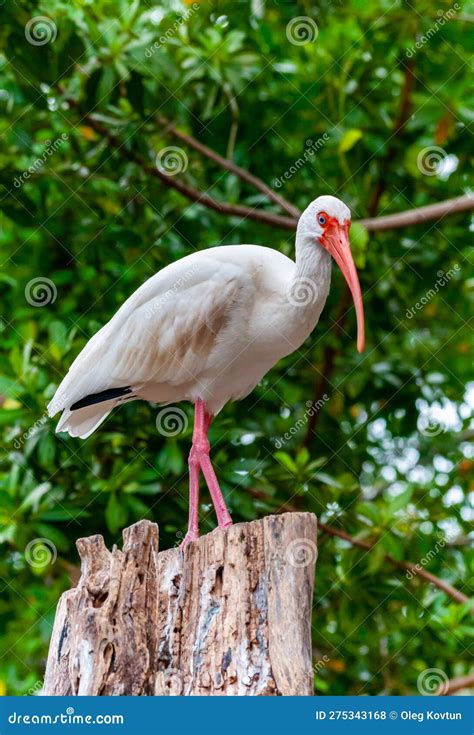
208, 326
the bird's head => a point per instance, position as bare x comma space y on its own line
326, 222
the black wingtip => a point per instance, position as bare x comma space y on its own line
104, 395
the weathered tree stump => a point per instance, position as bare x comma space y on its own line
229, 615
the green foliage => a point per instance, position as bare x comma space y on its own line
390, 461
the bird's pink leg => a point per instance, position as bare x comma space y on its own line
193, 522
223, 516
199, 459
202, 446
194, 472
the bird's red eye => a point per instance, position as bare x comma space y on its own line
322, 219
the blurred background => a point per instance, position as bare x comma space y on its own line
100, 106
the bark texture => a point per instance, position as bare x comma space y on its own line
230, 615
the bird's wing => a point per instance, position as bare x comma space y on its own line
164, 333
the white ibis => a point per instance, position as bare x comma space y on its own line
206, 329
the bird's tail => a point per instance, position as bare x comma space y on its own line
83, 421
82, 417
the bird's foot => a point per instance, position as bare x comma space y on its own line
224, 518
189, 538
226, 524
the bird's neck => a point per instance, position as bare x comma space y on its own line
307, 290
312, 260
313, 267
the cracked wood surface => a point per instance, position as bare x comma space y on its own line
230, 615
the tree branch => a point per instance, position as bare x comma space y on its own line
393, 221
454, 685
195, 195
406, 565
233, 210
229, 165
421, 214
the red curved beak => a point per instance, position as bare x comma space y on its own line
336, 240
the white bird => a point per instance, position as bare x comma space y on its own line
206, 329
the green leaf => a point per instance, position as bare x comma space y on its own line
136, 92
370, 511
359, 237
327, 479
287, 462
376, 558
401, 501
393, 546
349, 139
116, 513
33, 498
46, 450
